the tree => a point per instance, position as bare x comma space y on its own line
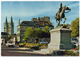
10, 36
38, 33
75, 28
46, 29
45, 32
7, 38
28, 33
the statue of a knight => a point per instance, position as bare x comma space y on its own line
60, 9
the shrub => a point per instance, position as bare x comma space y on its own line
28, 46
21, 45
77, 48
71, 53
42, 47
35, 48
77, 54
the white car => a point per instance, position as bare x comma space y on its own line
43, 42
77, 44
10, 44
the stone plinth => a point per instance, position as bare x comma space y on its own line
60, 39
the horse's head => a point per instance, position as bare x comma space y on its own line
67, 8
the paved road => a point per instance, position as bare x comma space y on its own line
15, 51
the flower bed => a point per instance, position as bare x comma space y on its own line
41, 47
33, 45
21, 45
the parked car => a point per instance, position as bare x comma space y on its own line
9, 44
43, 42
75, 42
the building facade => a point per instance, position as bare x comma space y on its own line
4, 37
9, 27
35, 23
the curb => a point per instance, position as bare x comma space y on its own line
26, 49
23, 48
31, 50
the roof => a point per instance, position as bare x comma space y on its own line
31, 23
28, 23
43, 23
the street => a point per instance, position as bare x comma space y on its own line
15, 51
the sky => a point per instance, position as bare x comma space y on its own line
26, 10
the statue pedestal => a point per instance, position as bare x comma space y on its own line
60, 39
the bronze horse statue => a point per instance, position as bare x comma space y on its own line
60, 15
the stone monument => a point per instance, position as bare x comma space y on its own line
60, 37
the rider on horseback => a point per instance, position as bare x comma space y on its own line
60, 14
60, 9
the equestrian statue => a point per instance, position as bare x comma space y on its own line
61, 14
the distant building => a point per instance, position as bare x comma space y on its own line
9, 27
4, 36
35, 23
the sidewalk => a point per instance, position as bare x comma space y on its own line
30, 50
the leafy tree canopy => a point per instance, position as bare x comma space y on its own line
46, 29
38, 32
28, 33
75, 28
